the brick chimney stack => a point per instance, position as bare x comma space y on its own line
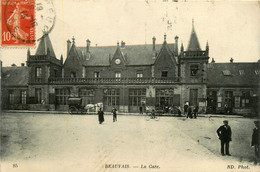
176, 44
154, 39
68, 46
88, 45
122, 44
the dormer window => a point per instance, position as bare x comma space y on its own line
226, 72
139, 74
118, 74
164, 73
241, 72
73, 74
194, 70
96, 75
257, 72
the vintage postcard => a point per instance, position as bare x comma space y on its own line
129, 85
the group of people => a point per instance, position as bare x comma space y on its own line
224, 134
189, 112
101, 115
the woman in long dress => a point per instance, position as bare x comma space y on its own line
101, 116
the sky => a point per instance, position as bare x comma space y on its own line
231, 28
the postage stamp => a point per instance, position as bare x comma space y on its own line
18, 23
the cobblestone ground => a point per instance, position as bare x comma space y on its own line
47, 142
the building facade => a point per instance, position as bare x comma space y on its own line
128, 77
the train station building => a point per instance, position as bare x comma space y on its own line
128, 77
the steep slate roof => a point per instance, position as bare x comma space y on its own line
169, 50
15, 76
134, 54
194, 44
249, 78
45, 43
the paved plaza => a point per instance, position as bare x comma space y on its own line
60, 142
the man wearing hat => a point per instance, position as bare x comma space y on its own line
224, 135
255, 138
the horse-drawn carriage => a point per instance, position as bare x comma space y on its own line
76, 105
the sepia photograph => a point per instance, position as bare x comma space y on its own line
130, 86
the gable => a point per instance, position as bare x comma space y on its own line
118, 59
165, 58
73, 58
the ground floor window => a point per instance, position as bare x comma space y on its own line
136, 97
62, 95
87, 95
23, 97
228, 99
164, 97
193, 97
245, 99
11, 97
38, 95
111, 97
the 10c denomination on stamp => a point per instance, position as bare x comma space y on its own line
18, 23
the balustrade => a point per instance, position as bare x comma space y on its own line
114, 80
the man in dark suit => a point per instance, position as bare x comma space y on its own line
224, 135
256, 139
114, 114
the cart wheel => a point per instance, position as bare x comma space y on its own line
82, 111
174, 112
72, 110
156, 118
147, 117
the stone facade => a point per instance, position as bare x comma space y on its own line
128, 77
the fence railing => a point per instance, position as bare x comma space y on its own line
115, 80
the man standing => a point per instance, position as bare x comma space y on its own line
186, 109
195, 111
141, 109
189, 114
255, 138
114, 114
224, 134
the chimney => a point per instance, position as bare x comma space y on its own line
22, 64
231, 60
88, 45
122, 44
176, 45
182, 49
154, 39
68, 46
61, 59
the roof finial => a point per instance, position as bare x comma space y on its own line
164, 36
117, 43
73, 40
192, 22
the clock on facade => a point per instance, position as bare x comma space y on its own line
117, 61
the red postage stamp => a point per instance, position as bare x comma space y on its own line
18, 23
